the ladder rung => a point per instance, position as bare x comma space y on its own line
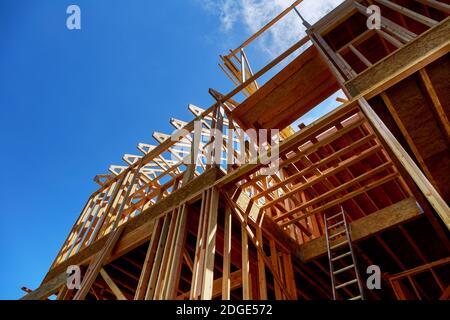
356, 298
336, 224
341, 256
344, 269
336, 234
346, 283
338, 245
336, 215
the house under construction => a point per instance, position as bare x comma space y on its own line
367, 184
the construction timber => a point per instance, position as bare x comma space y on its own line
161, 228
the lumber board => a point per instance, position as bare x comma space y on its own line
414, 50
210, 249
303, 84
367, 226
112, 285
47, 288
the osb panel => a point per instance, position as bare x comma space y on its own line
417, 115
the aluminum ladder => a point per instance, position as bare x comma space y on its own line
340, 251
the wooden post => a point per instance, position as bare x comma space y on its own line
245, 263
149, 260
208, 275
227, 255
197, 274
167, 256
261, 268
149, 294
289, 275
274, 259
409, 13
177, 254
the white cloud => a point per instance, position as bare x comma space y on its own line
254, 14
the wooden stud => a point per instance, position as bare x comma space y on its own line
261, 268
208, 273
149, 261
246, 295
226, 282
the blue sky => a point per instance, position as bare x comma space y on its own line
73, 102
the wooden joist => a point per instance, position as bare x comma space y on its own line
112, 285
402, 63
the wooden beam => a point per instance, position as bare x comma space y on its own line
226, 282
390, 26
420, 269
446, 294
409, 13
412, 57
149, 260
289, 275
240, 214
174, 270
357, 40
407, 136
111, 284
269, 227
325, 174
48, 288
164, 273
441, 6
274, 261
262, 284
396, 43
439, 109
208, 275
246, 286
197, 278
152, 282
367, 226
265, 27
360, 56
334, 156
400, 291
330, 193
